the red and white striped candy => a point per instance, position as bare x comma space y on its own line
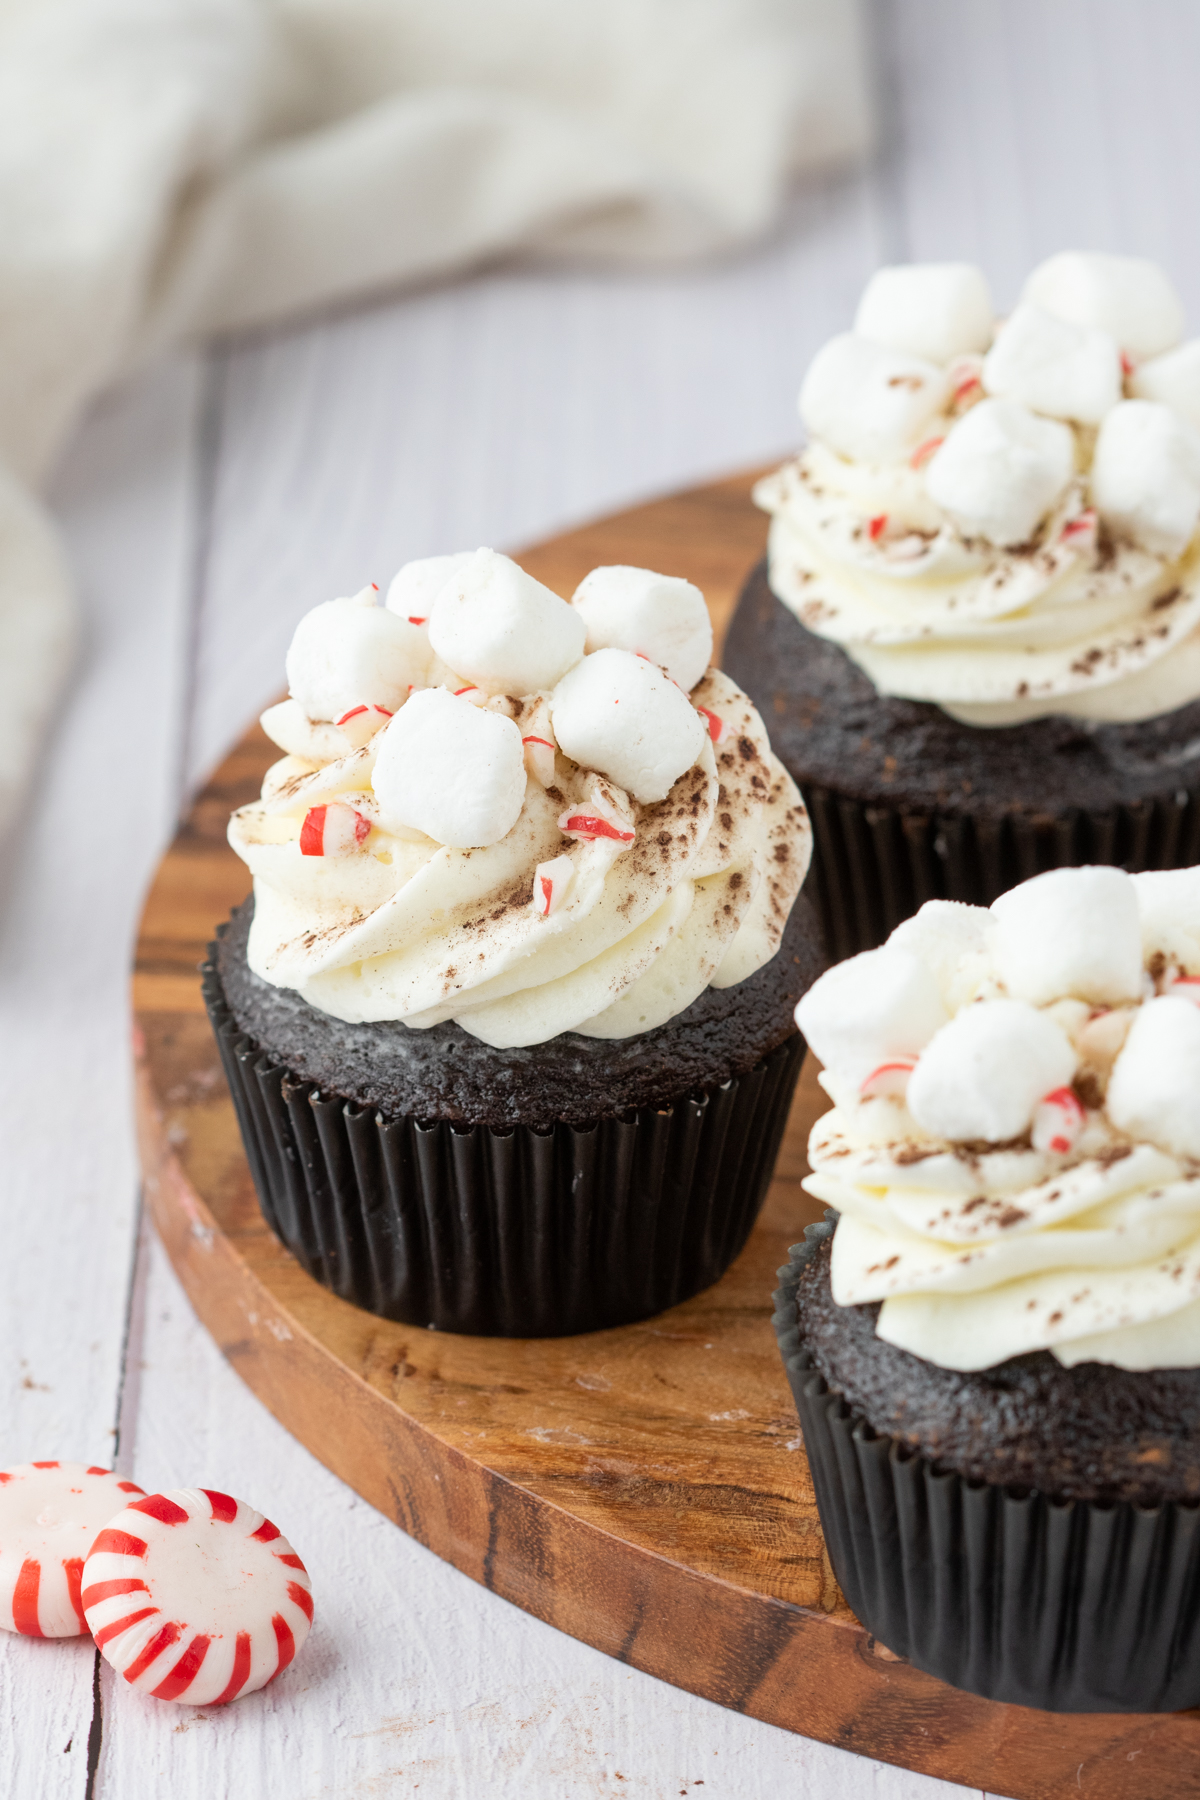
333, 830
1079, 533
889, 1078
1057, 1122
591, 820
717, 727
550, 883
50, 1513
1184, 987
361, 723
193, 1596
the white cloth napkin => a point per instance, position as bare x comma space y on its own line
170, 168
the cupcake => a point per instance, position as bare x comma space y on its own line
508, 1020
994, 1339
977, 636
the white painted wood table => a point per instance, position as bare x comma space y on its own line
206, 506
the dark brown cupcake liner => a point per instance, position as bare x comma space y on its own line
1071, 1606
875, 865
506, 1233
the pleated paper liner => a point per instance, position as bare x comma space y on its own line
508, 1233
1068, 1606
874, 865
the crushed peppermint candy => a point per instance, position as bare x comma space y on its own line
539, 758
717, 727
889, 1078
333, 830
592, 825
923, 452
1057, 1121
551, 881
361, 723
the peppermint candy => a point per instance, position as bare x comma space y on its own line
360, 724
539, 758
551, 880
889, 1078
597, 816
717, 728
193, 1596
333, 830
1057, 1121
50, 1513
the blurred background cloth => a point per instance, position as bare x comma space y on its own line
174, 168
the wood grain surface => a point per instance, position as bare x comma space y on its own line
643, 1489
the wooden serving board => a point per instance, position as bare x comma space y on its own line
644, 1489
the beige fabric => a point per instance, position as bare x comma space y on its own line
170, 168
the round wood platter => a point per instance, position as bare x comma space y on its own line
643, 1489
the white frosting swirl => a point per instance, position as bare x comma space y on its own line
549, 928
1080, 1234
1092, 616
1073, 624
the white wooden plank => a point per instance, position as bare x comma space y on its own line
414, 1679
1030, 126
99, 814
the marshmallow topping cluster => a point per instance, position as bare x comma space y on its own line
521, 813
1014, 1146
1000, 516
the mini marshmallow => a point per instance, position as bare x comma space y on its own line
617, 713
1146, 475
875, 1008
661, 617
452, 770
1169, 908
1069, 932
871, 403
932, 310
498, 627
347, 653
950, 938
1130, 298
1068, 371
1173, 380
1000, 470
981, 1078
416, 586
1153, 1091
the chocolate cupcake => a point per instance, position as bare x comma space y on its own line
509, 1019
994, 1340
977, 637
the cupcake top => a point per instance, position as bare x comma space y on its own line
1000, 515
1014, 1146
521, 814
